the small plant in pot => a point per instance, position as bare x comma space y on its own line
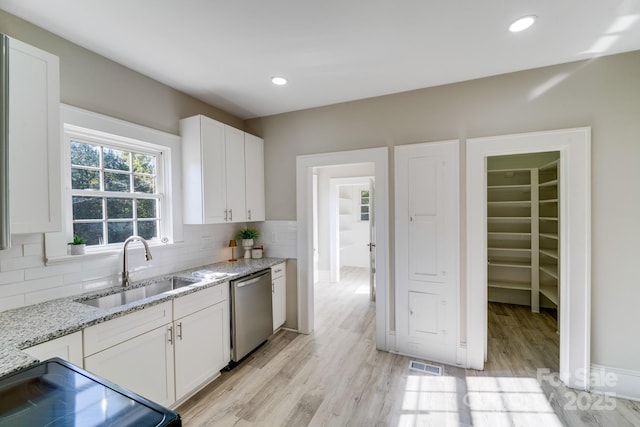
77, 246
247, 235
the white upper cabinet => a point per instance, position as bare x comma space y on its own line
235, 172
34, 139
215, 171
254, 170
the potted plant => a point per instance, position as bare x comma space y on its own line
77, 246
247, 235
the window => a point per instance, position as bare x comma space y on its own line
364, 205
116, 190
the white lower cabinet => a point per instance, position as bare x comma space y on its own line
279, 294
135, 351
202, 343
143, 364
68, 347
162, 359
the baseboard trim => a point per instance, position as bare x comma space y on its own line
617, 382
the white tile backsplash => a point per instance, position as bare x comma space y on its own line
279, 238
25, 279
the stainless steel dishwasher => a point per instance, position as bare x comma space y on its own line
251, 315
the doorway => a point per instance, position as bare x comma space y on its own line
574, 146
523, 260
305, 202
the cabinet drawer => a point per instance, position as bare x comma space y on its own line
191, 303
112, 332
278, 271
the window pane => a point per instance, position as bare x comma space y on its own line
364, 217
119, 208
119, 231
143, 163
364, 201
85, 154
364, 194
147, 229
87, 207
116, 159
83, 179
146, 208
117, 181
144, 184
90, 231
364, 209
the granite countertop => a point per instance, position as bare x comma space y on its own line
27, 326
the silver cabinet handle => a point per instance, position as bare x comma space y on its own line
249, 214
226, 215
180, 331
230, 214
170, 330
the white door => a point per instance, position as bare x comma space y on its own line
427, 250
372, 241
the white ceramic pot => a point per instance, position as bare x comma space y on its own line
247, 244
77, 249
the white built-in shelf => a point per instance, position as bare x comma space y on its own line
549, 235
551, 292
548, 218
553, 253
508, 234
549, 201
550, 269
523, 187
496, 249
549, 166
511, 203
503, 219
515, 264
548, 183
521, 286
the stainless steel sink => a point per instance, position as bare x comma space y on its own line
137, 294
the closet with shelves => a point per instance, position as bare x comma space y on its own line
522, 230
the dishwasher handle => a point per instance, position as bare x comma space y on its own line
251, 279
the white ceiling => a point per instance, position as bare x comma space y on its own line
225, 52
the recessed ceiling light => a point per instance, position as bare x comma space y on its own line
522, 24
279, 81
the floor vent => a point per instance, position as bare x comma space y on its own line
425, 367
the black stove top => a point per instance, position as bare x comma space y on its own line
57, 393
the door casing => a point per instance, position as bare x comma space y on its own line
574, 146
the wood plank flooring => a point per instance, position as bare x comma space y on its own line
336, 377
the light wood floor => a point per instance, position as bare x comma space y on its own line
336, 377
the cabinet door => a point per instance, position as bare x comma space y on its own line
34, 102
143, 364
68, 347
254, 171
427, 252
202, 347
235, 179
213, 171
279, 301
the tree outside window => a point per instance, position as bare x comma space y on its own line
114, 193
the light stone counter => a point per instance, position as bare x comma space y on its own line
35, 324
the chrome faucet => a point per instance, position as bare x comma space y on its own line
125, 267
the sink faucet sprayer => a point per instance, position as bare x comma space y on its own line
125, 267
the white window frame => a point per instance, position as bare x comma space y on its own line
360, 205
100, 125
78, 134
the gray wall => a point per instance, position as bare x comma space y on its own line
92, 82
603, 93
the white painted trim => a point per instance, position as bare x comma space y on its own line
616, 382
574, 146
304, 208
